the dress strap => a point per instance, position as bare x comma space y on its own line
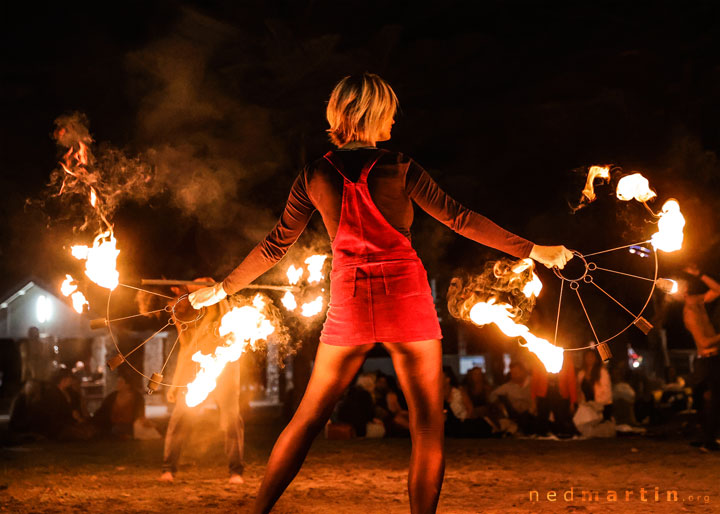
366, 169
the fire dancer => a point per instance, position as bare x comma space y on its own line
379, 289
226, 395
695, 291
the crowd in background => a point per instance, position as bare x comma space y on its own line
592, 400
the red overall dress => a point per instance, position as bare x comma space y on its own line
379, 290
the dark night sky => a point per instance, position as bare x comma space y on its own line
500, 103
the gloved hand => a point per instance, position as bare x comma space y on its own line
207, 296
551, 256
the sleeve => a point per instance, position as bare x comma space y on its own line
298, 211
433, 200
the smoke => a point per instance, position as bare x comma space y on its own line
503, 280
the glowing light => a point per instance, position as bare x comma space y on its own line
93, 197
634, 186
669, 236
312, 308
315, 266
294, 274
289, 302
242, 327
484, 313
43, 309
100, 260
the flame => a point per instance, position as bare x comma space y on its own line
69, 288
93, 197
79, 301
242, 327
634, 186
315, 265
289, 302
484, 313
294, 274
68, 285
667, 285
312, 308
669, 236
601, 172
533, 287
100, 260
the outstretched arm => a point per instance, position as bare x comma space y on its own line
433, 200
714, 292
265, 255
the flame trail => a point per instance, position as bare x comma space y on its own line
242, 327
596, 172
484, 313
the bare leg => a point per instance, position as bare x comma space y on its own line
335, 367
419, 369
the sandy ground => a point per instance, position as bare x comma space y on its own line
365, 476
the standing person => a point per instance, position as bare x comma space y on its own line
379, 289
199, 336
697, 290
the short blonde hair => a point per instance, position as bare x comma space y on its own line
358, 108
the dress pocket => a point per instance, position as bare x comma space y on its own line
342, 286
402, 278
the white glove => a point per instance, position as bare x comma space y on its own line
207, 296
551, 256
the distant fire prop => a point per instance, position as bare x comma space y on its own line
504, 293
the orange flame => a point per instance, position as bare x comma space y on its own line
289, 302
601, 172
634, 186
484, 313
312, 308
242, 327
534, 285
315, 265
69, 288
100, 260
294, 274
669, 236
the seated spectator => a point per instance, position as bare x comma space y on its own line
459, 409
120, 410
357, 408
623, 397
556, 394
50, 409
594, 415
516, 398
390, 406
477, 390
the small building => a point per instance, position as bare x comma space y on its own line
31, 304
